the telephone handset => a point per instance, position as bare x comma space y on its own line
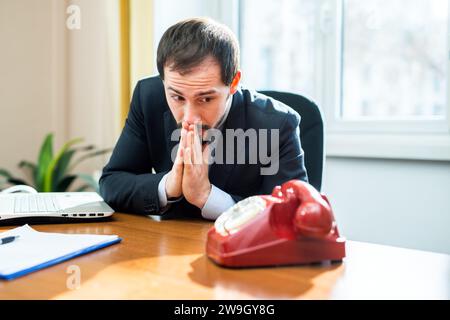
294, 225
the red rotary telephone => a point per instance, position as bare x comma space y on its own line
295, 225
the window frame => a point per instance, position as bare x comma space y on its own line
418, 139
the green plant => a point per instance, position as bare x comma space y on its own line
53, 172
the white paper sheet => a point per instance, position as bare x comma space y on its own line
35, 248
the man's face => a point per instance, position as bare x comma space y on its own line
199, 95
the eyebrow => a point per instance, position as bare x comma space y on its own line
205, 93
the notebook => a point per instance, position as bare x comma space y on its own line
35, 250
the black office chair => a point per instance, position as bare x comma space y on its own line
311, 132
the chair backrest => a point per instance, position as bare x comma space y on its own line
311, 132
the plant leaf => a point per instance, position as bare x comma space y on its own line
31, 167
48, 178
85, 148
65, 183
5, 173
17, 182
60, 172
8, 178
83, 188
45, 157
61, 169
89, 155
89, 181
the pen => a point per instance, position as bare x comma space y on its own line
8, 239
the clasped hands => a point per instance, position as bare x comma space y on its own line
189, 174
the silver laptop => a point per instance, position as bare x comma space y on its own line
65, 205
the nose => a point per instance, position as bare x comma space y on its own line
190, 114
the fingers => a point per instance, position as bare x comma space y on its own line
187, 157
181, 146
185, 125
178, 165
206, 155
174, 181
197, 145
193, 154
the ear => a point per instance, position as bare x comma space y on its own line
235, 83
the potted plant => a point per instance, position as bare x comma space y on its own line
53, 172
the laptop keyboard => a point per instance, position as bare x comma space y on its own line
31, 203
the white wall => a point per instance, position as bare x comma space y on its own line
399, 203
57, 80
93, 76
25, 79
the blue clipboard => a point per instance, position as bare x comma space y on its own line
52, 262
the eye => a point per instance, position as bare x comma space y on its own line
206, 100
177, 98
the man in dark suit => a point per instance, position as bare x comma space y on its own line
167, 163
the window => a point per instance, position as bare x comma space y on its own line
394, 59
279, 52
377, 68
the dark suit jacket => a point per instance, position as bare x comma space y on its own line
128, 184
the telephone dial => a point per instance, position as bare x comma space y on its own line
294, 225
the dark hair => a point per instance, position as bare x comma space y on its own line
187, 43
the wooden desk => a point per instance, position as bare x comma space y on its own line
166, 260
